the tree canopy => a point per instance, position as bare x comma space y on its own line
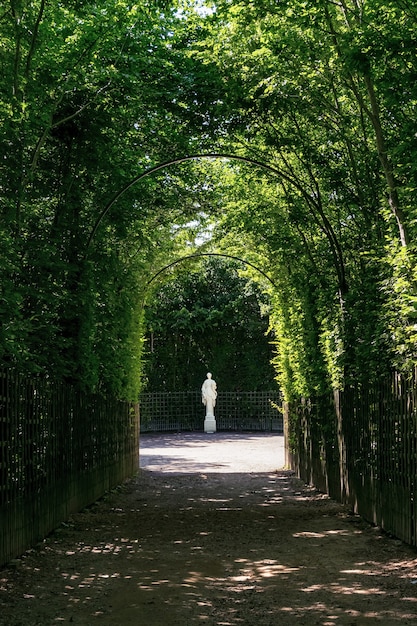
323, 94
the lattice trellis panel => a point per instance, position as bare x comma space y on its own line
234, 411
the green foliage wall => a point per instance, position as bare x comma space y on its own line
209, 318
90, 93
323, 94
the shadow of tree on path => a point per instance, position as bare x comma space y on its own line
214, 548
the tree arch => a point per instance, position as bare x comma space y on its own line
314, 203
216, 254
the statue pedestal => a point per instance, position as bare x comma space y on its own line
210, 424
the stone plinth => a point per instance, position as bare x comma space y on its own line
210, 424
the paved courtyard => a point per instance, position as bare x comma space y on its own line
220, 452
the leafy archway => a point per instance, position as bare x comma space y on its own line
213, 254
313, 203
295, 306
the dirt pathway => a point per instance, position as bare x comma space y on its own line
199, 540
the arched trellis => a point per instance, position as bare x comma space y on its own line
218, 254
314, 204
165, 164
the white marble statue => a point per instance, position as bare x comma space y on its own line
208, 396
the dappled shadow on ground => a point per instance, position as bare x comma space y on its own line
215, 549
176, 463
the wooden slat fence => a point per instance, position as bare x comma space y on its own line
60, 450
360, 446
234, 411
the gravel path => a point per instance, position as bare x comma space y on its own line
212, 533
